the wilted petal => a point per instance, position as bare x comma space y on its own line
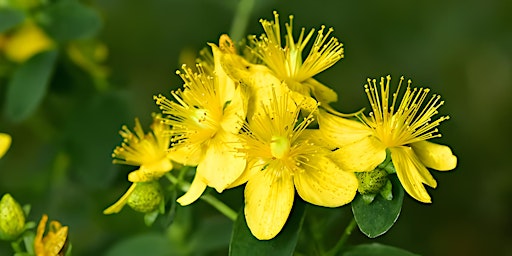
196, 189
325, 184
268, 202
341, 131
412, 173
435, 156
360, 156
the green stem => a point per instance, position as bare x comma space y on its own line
210, 199
339, 245
242, 15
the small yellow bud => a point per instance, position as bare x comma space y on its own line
146, 197
12, 218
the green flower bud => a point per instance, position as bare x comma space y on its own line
12, 218
371, 182
146, 197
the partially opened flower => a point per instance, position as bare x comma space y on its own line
54, 242
206, 117
5, 143
283, 158
149, 151
402, 127
287, 61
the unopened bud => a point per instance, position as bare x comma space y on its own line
12, 218
371, 182
146, 197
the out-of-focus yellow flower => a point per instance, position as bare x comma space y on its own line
283, 156
5, 143
12, 218
26, 41
287, 63
149, 151
206, 118
402, 127
55, 240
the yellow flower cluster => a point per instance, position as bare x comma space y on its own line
261, 119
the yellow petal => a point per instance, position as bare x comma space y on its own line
326, 184
268, 202
5, 143
194, 192
412, 173
118, 206
252, 167
360, 156
435, 156
341, 131
151, 171
234, 112
26, 42
321, 92
222, 164
186, 153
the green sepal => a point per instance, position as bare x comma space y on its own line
150, 217
368, 198
387, 191
378, 217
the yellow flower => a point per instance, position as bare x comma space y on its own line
55, 241
283, 157
149, 151
287, 63
5, 143
27, 41
206, 117
402, 127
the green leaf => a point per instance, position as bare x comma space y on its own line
244, 243
10, 18
376, 249
213, 233
378, 217
67, 20
28, 85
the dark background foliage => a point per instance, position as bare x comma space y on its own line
60, 161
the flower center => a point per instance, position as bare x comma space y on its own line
279, 146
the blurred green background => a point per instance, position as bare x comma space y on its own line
60, 162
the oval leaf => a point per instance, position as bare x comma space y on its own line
67, 20
244, 243
378, 217
28, 85
376, 249
10, 18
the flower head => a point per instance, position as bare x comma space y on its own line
287, 62
54, 242
283, 157
402, 127
149, 151
206, 117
